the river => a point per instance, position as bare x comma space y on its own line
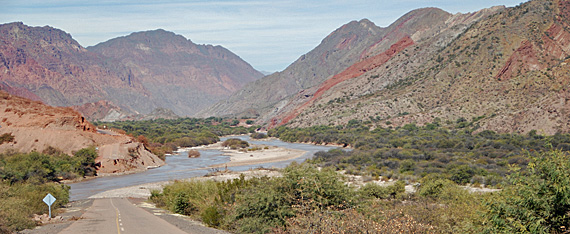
182, 167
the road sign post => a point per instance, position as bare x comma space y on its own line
49, 200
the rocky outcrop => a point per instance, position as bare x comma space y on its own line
523, 60
102, 110
353, 71
36, 126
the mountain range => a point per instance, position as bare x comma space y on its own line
134, 74
503, 69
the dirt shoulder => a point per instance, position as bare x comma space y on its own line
64, 217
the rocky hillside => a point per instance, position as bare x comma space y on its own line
337, 51
179, 74
44, 63
124, 76
36, 126
348, 52
409, 43
508, 71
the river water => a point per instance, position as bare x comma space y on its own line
182, 167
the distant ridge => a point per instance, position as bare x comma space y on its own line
180, 75
136, 73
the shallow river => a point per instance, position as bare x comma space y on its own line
181, 167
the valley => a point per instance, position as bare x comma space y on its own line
438, 122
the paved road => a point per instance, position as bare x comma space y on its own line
107, 132
119, 215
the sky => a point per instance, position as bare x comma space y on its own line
269, 35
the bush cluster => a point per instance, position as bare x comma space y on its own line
44, 167
235, 143
307, 199
163, 136
27, 178
258, 135
258, 205
411, 152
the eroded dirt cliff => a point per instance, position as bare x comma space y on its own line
36, 126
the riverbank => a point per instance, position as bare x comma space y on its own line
144, 190
261, 154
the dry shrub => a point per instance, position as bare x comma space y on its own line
352, 221
193, 153
142, 139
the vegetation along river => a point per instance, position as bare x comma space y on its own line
181, 167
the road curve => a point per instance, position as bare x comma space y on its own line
119, 215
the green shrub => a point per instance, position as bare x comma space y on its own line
212, 216
84, 162
182, 204
310, 186
383, 192
258, 135
157, 198
438, 188
407, 165
462, 174
18, 202
537, 201
261, 208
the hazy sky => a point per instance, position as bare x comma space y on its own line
269, 35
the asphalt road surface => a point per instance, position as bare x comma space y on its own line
119, 215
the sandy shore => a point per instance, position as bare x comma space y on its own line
272, 154
265, 154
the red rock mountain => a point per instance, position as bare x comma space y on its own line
349, 52
44, 63
179, 74
508, 71
337, 51
133, 75
36, 126
407, 44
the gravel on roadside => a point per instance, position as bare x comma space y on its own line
69, 213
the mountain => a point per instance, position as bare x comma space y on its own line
121, 77
507, 72
36, 126
180, 75
44, 63
346, 53
409, 43
336, 52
